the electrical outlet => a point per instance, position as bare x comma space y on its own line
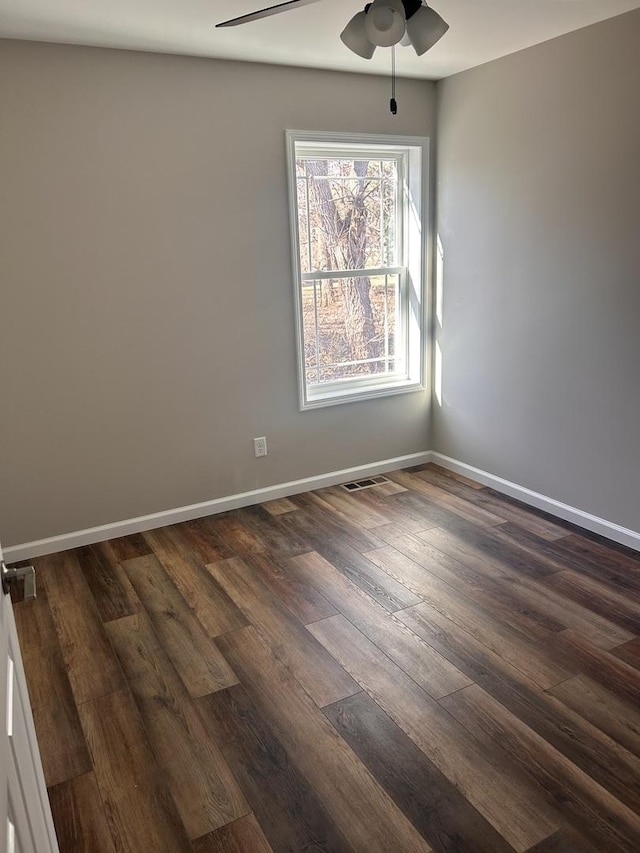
260, 446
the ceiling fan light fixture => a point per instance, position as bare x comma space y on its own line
385, 22
354, 36
424, 28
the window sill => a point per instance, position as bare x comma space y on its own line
319, 399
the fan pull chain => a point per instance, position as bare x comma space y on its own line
393, 104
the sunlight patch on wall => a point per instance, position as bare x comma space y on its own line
439, 281
438, 374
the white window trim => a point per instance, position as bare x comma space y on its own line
417, 254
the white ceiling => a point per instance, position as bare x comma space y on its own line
481, 30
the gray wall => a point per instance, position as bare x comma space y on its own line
539, 210
145, 293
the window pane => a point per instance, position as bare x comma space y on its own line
347, 213
350, 327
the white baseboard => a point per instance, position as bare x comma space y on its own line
631, 538
54, 544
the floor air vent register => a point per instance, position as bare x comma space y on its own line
358, 485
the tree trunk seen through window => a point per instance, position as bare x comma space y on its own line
345, 247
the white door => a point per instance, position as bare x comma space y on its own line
26, 825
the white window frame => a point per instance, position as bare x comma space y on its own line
412, 269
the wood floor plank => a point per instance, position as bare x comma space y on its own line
585, 744
385, 489
240, 539
503, 598
444, 479
552, 527
454, 475
283, 801
433, 515
320, 523
431, 802
503, 544
323, 679
507, 510
491, 545
79, 818
458, 506
203, 788
362, 811
194, 654
91, 665
581, 799
411, 520
605, 668
268, 530
463, 546
478, 662
205, 540
595, 753
518, 601
129, 547
535, 660
241, 836
420, 550
139, 809
350, 510
629, 652
514, 809
428, 668
386, 590
490, 548
514, 545
605, 553
617, 718
623, 610
566, 840
279, 506
562, 554
111, 589
213, 608
527, 598
253, 530
302, 599
60, 737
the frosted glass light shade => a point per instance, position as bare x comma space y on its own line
424, 28
355, 37
385, 22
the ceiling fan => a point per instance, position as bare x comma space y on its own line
382, 23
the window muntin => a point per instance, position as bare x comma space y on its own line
356, 213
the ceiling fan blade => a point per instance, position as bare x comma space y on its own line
265, 13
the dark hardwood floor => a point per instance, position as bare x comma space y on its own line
422, 665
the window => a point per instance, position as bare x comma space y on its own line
358, 256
